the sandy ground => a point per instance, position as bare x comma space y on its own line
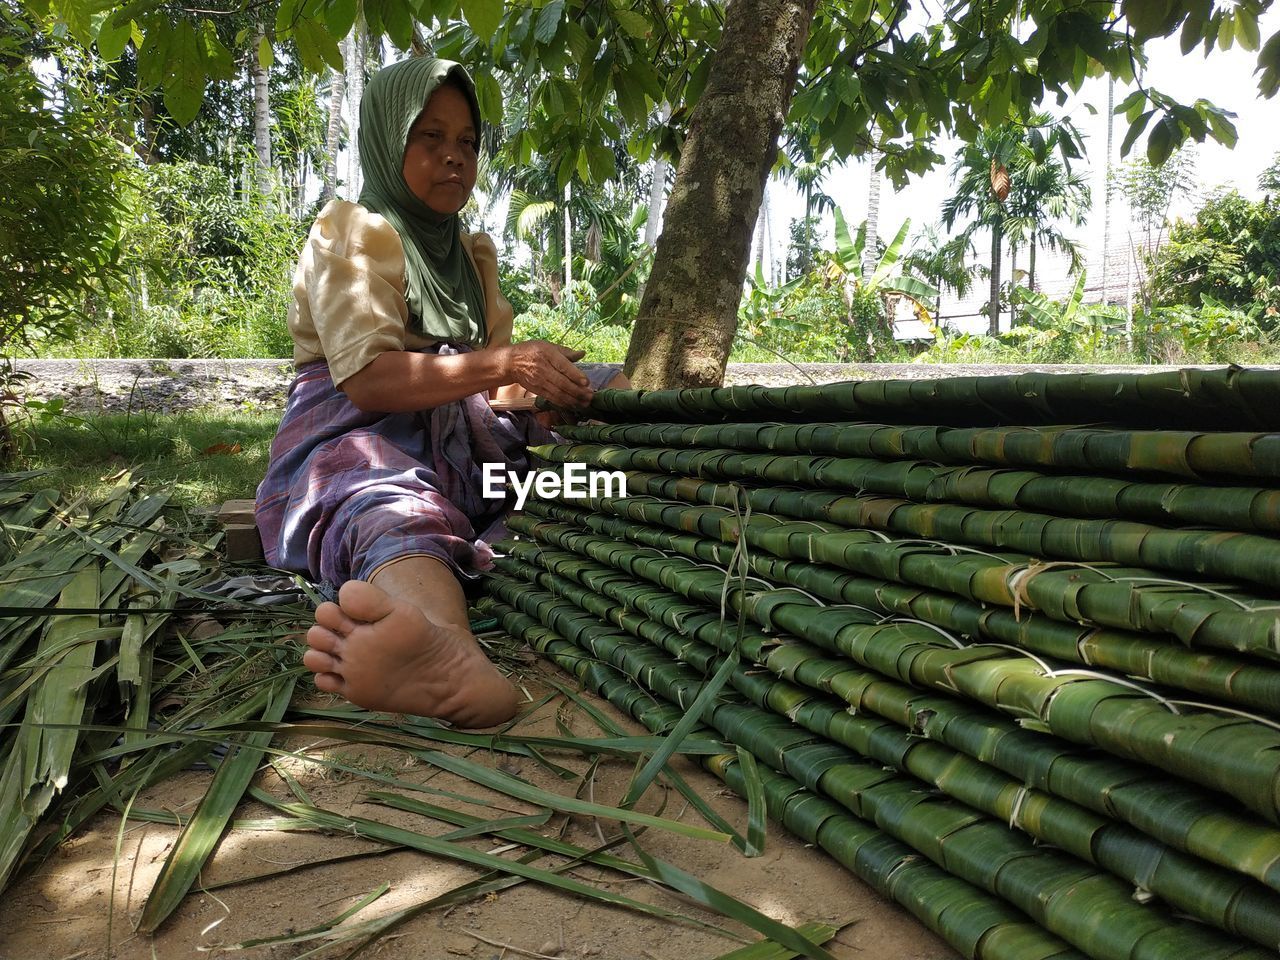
62, 911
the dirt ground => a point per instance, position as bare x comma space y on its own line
67, 910
173, 386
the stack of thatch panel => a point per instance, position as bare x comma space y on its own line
1008, 647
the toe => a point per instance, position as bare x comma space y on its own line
330, 615
363, 601
325, 640
330, 683
318, 662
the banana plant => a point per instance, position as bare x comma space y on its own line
887, 281
1083, 326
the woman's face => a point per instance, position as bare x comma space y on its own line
440, 155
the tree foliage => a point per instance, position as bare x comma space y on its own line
61, 180
876, 75
982, 185
942, 261
1150, 190
1229, 255
1046, 192
803, 246
1015, 181
1269, 179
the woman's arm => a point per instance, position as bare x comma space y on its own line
400, 381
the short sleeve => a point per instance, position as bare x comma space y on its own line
349, 291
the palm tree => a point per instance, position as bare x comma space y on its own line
1045, 191
538, 208
355, 61
1016, 181
982, 180
941, 261
799, 162
615, 262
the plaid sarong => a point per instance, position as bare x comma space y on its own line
347, 491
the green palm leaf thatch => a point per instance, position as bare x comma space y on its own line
919, 477
1179, 399
890, 506
1067, 899
949, 598
1179, 453
1227, 679
1197, 615
1202, 614
1176, 813
1229, 754
975, 922
1230, 901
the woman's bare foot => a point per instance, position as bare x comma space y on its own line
381, 652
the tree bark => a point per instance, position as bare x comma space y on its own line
568, 244
1106, 192
657, 189
1013, 285
337, 84
993, 309
261, 120
762, 236
147, 148
689, 313
657, 199
871, 252
355, 93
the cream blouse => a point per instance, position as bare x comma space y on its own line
349, 287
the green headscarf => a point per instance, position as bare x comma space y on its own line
442, 288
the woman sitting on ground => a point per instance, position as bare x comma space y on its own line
401, 339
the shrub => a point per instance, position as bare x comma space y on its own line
603, 343
1229, 254
209, 273
1181, 333
62, 176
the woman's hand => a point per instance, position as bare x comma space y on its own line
546, 370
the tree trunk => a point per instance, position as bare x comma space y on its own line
689, 314
993, 309
337, 85
804, 262
1106, 191
762, 237
568, 246
871, 252
657, 199
657, 190
265, 178
1013, 285
355, 92
147, 148
1031, 267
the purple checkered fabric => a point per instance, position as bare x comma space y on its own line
347, 491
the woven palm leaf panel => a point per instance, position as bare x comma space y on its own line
1008, 648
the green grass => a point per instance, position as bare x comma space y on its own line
192, 454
